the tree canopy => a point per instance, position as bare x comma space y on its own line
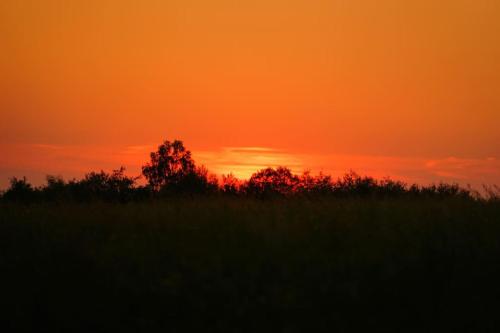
169, 165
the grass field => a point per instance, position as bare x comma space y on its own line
243, 265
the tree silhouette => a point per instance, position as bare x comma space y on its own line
271, 181
20, 190
230, 184
103, 186
169, 165
56, 189
319, 185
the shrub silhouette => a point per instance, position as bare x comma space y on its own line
56, 189
492, 192
230, 185
319, 185
391, 187
103, 186
352, 183
20, 191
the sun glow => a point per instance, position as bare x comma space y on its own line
242, 162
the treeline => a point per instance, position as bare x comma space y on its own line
172, 172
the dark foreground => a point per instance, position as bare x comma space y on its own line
224, 265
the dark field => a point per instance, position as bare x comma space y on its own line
244, 265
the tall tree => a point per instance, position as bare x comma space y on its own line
169, 165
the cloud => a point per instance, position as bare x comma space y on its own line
46, 146
462, 169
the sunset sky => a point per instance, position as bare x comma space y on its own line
406, 89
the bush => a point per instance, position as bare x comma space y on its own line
20, 191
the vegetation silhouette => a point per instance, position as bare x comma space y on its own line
224, 264
169, 165
19, 191
172, 171
268, 182
183, 251
230, 185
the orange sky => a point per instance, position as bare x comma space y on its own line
388, 87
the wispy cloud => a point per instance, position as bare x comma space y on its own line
464, 169
46, 146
